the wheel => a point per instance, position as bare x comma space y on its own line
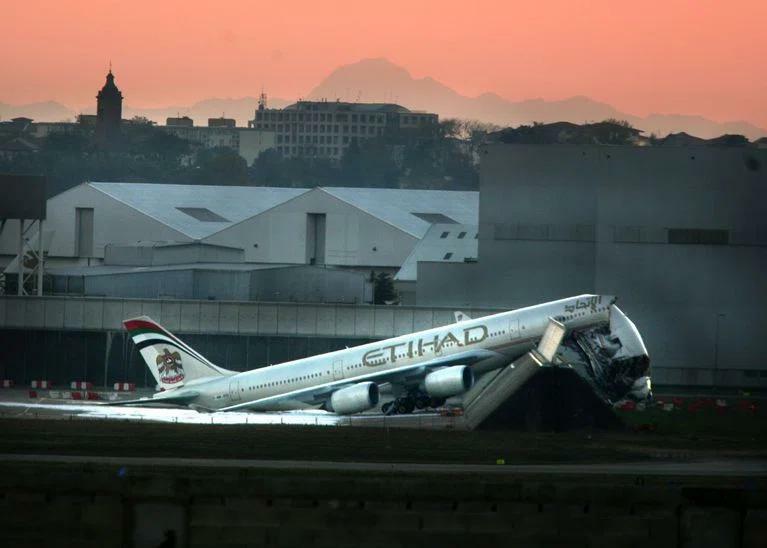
409, 405
436, 402
421, 402
388, 408
402, 407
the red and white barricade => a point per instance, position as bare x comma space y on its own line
125, 387
7, 383
80, 385
41, 385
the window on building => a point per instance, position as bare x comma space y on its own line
698, 236
448, 256
434, 218
354, 118
203, 214
461, 235
444, 235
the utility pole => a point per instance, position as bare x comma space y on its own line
716, 351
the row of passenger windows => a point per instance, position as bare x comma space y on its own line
578, 314
285, 381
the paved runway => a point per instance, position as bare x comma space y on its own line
58, 409
718, 468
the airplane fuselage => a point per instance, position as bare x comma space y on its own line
508, 334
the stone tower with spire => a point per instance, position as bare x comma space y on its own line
109, 108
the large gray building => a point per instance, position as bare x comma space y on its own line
679, 234
326, 129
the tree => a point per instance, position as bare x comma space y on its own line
220, 166
369, 163
383, 288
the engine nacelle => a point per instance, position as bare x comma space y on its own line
354, 399
449, 381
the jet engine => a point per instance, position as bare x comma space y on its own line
449, 381
354, 399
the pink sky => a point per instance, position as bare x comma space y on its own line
704, 57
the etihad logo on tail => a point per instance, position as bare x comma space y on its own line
169, 366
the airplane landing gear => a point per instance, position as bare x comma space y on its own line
404, 405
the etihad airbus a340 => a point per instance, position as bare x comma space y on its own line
421, 369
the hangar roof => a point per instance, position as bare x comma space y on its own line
197, 210
451, 243
406, 209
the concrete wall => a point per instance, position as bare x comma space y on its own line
279, 235
244, 335
177, 284
149, 255
104, 358
112, 222
310, 284
303, 284
212, 317
562, 220
253, 142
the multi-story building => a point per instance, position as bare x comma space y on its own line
325, 129
219, 132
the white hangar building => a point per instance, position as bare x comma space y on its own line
348, 227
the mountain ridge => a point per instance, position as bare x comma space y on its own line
380, 80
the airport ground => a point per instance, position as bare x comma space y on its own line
675, 478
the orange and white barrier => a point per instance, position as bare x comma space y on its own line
125, 387
80, 385
41, 385
86, 395
7, 383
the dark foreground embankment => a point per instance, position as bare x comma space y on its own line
123, 502
106, 504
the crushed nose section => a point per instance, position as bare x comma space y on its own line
622, 328
614, 358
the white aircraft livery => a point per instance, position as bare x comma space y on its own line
421, 369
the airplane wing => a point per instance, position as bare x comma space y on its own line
407, 374
179, 398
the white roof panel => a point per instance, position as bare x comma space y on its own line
450, 243
396, 206
230, 203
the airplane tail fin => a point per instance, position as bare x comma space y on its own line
171, 361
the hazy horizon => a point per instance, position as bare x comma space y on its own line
697, 58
